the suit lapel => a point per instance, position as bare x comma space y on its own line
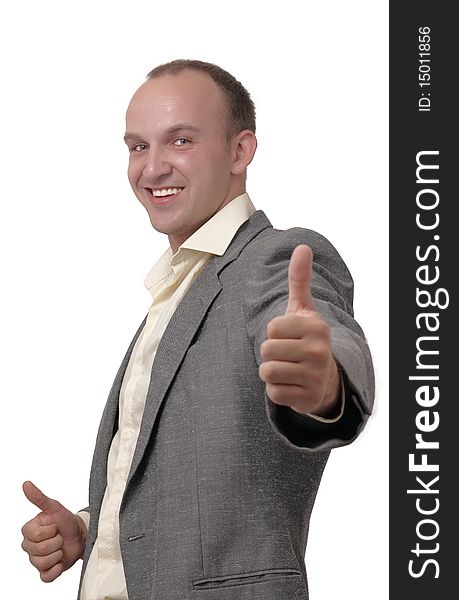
182, 327
108, 425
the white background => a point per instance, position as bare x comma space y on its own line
76, 244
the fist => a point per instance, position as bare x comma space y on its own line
55, 538
298, 365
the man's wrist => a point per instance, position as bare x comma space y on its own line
83, 532
332, 407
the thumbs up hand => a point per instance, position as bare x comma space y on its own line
55, 538
298, 366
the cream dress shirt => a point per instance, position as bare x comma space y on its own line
168, 281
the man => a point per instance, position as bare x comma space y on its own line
247, 369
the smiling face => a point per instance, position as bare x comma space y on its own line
182, 168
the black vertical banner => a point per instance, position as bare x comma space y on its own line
424, 267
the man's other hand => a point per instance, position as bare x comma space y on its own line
298, 366
55, 538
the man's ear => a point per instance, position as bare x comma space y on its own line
244, 146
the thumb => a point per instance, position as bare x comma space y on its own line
37, 497
299, 280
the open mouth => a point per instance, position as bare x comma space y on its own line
164, 192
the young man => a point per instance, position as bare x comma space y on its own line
247, 369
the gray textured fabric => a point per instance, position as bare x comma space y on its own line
223, 481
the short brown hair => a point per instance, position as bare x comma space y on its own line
241, 109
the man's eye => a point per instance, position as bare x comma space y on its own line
138, 147
181, 141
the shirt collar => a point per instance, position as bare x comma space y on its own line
213, 237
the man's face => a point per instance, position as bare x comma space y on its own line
180, 162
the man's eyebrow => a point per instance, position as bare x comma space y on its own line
181, 127
131, 136
170, 131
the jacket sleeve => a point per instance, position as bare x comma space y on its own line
332, 290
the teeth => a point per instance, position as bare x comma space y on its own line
166, 192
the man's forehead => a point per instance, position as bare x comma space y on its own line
188, 96
187, 85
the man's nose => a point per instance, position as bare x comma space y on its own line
156, 165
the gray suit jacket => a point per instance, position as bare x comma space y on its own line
223, 481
